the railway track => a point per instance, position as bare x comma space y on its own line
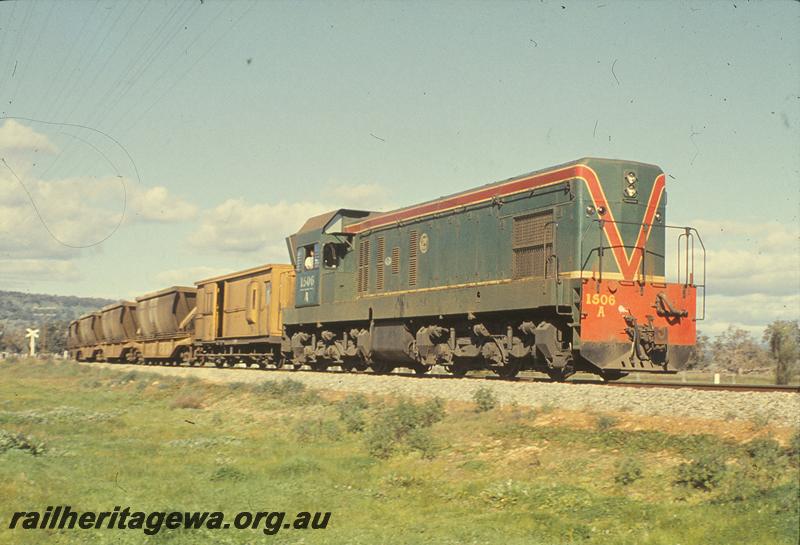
573, 381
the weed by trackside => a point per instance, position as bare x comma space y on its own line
399, 425
704, 472
20, 441
317, 429
605, 422
485, 399
187, 401
352, 412
628, 471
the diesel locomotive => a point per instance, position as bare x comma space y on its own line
558, 270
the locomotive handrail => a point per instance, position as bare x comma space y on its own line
553, 257
685, 265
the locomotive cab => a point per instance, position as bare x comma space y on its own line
323, 258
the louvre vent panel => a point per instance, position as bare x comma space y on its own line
413, 242
363, 266
379, 263
533, 229
395, 260
532, 243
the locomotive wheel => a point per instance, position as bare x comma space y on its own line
219, 362
560, 374
184, 357
422, 369
508, 371
456, 370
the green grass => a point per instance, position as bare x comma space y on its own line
391, 471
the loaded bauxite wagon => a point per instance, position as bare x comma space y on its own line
166, 325
86, 336
119, 326
73, 341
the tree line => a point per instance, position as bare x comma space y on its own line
736, 350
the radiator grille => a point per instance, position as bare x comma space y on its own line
363, 266
413, 242
532, 244
379, 263
396, 260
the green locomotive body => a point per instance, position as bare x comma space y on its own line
500, 277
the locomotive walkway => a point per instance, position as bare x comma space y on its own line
761, 404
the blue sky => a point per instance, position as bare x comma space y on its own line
242, 119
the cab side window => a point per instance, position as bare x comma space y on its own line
310, 259
330, 256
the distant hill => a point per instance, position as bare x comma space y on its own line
24, 309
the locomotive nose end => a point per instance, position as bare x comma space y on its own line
642, 327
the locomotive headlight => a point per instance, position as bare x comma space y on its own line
658, 217
590, 210
630, 185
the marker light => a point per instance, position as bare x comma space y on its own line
630, 185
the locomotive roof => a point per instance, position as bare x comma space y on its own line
317, 223
431, 203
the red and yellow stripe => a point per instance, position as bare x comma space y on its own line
628, 265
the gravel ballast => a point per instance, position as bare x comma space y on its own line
780, 408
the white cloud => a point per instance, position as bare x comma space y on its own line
16, 136
156, 204
24, 270
78, 211
752, 257
238, 226
751, 312
753, 274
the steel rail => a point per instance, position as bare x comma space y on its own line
434, 376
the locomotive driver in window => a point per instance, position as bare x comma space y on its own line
308, 263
